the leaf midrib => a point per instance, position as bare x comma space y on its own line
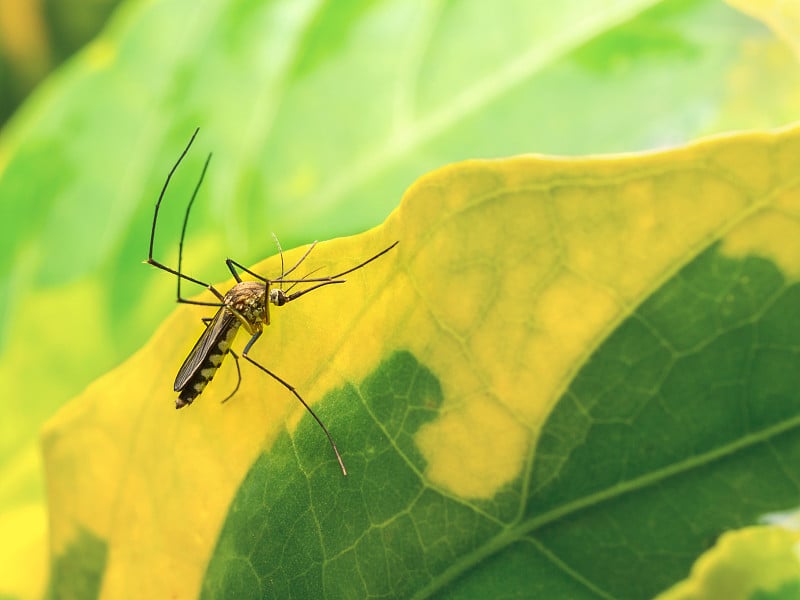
517, 532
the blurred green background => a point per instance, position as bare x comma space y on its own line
319, 115
38, 35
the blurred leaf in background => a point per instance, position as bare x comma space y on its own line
320, 115
38, 35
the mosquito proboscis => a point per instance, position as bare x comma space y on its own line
246, 305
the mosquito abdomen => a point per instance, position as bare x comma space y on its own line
208, 367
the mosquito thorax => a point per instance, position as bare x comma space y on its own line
247, 299
278, 297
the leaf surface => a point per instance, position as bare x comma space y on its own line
570, 377
782, 17
319, 118
755, 562
406, 90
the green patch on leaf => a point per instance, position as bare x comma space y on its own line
674, 431
788, 591
77, 572
677, 429
297, 528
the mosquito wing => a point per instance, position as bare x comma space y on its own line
210, 349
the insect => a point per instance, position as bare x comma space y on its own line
245, 305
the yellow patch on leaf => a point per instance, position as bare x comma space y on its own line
508, 275
781, 15
740, 564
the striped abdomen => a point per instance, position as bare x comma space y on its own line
205, 358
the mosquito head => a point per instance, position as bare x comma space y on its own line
278, 297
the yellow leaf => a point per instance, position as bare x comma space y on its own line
783, 17
509, 275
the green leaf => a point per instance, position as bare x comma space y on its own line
320, 117
554, 387
78, 571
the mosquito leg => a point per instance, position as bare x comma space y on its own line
238, 376
321, 280
186, 221
292, 389
150, 260
366, 262
164, 189
208, 286
335, 278
233, 265
282, 279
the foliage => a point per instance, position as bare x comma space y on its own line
549, 371
319, 119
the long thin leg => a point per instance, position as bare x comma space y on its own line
334, 278
164, 190
163, 267
321, 281
233, 265
292, 389
365, 263
186, 220
238, 375
209, 287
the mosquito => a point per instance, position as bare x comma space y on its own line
246, 305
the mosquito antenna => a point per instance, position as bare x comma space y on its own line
321, 281
163, 191
186, 217
303, 280
302, 258
280, 251
335, 278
